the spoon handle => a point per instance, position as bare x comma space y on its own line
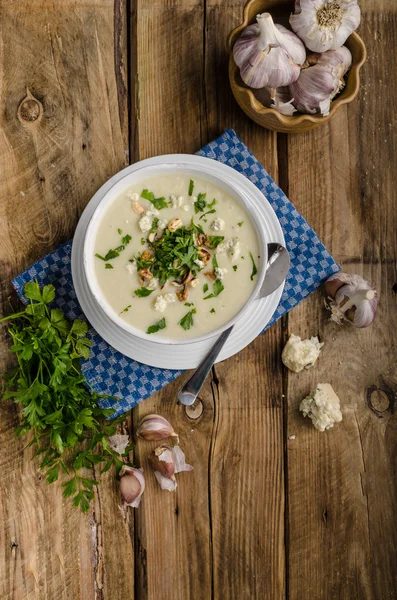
188, 393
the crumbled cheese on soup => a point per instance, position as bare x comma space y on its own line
220, 273
145, 224
234, 249
200, 264
301, 354
131, 267
133, 195
153, 212
153, 284
162, 224
186, 207
162, 300
222, 247
322, 406
218, 225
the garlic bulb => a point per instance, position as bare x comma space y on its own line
321, 79
155, 427
352, 298
132, 485
325, 24
268, 55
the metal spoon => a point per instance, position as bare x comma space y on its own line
276, 271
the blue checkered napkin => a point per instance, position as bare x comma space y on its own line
108, 371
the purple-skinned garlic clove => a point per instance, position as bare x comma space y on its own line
132, 485
351, 298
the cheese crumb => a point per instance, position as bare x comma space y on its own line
322, 406
162, 300
220, 273
180, 200
200, 264
222, 247
153, 283
131, 267
234, 249
133, 195
218, 225
186, 207
153, 212
300, 354
145, 224
162, 224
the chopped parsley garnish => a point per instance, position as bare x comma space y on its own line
212, 310
142, 292
187, 321
234, 267
211, 204
147, 195
254, 269
200, 204
154, 226
205, 287
214, 240
116, 251
157, 326
218, 288
119, 231
108, 266
126, 309
240, 224
188, 303
143, 241
191, 187
215, 262
126, 240
209, 212
158, 203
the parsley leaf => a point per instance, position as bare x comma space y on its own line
154, 226
240, 224
205, 287
218, 288
209, 212
119, 231
143, 241
188, 303
157, 326
215, 262
254, 269
187, 321
234, 267
212, 310
108, 266
191, 187
211, 204
142, 292
60, 413
126, 240
200, 203
158, 203
214, 240
116, 251
126, 309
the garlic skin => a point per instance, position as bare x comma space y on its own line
283, 103
268, 55
322, 406
162, 460
167, 462
132, 485
351, 298
325, 24
301, 354
154, 428
118, 443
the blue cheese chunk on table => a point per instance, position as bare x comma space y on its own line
322, 406
301, 354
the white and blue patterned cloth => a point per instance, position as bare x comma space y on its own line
108, 371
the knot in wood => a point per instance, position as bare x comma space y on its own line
195, 410
379, 400
30, 109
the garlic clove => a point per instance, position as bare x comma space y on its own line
351, 298
132, 485
325, 24
166, 483
180, 462
314, 89
162, 460
268, 55
339, 60
118, 443
155, 427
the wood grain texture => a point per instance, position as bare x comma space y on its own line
63, 132
342, 483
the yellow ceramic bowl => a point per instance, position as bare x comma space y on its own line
269, 117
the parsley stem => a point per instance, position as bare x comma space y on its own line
14, 316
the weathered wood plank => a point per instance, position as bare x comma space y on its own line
246, 470
342, 483
172, 530
63, 132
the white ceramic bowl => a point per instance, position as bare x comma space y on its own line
197, 166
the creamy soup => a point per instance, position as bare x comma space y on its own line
176, 256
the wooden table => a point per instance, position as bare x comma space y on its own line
274, 509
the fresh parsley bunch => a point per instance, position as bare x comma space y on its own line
63, 418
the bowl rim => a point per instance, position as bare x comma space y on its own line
291, 120
207, 167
